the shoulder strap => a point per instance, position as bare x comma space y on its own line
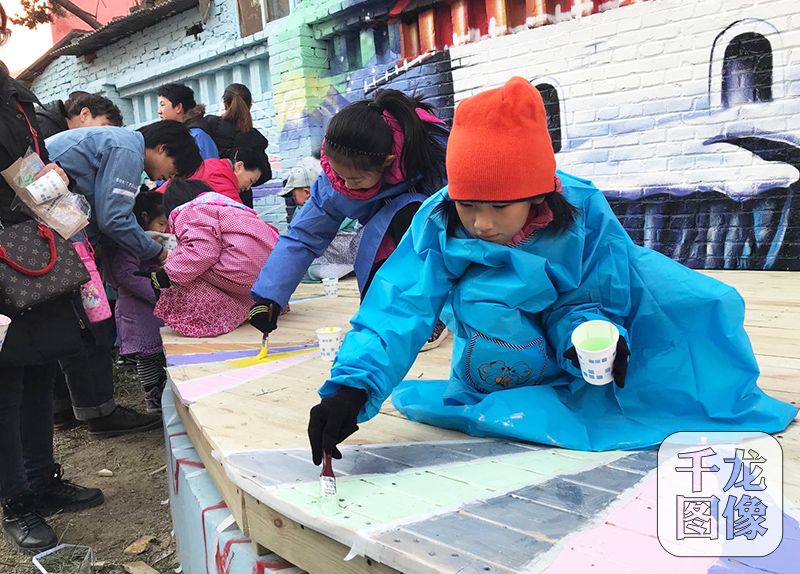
34, 133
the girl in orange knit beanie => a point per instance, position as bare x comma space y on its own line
519, 256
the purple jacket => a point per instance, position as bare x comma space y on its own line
137, 327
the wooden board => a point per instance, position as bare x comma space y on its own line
271, 413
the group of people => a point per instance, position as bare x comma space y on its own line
469, 226
178, 187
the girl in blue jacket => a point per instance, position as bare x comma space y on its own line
381, 158
520, 255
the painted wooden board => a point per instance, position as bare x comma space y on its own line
503, 519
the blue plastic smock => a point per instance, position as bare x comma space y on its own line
513, 311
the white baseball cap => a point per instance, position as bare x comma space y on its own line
304, 174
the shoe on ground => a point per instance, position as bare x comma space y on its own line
152, 400
121, 422
24, 528
439, 334
54, 494
125, 361
65, 420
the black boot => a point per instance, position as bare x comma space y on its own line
122, 421
24, 528
54, 494
152, 400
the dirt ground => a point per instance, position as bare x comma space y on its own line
136, 495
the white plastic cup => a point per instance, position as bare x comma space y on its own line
330, 286
4, 323
47, 188
330, 338
596, 345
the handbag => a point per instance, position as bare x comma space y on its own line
36, 266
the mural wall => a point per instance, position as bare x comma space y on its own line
683, 113
685, 118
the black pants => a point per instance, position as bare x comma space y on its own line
88, 377
26, 427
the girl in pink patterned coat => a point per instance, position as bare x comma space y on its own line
205, 283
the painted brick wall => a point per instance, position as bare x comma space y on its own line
643, 101
640, 91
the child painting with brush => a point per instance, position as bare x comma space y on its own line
204, 287
381, 158
521, 255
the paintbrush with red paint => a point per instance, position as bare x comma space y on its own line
327, 480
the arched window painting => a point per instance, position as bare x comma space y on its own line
747, 70
553, 109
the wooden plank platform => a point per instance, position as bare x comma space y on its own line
270, 413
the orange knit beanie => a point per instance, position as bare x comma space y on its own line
499, 148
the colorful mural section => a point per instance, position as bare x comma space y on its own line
683, 113
696, 150
487, 506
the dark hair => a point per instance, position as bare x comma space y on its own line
179, 144
178, 94
564, 213
5, 32
254, 159
237, 100
359, 135
150, 202
98, 106
74, 96
180, 191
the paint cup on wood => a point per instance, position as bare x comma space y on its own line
4, 323
330, 338
596, 345
330, 286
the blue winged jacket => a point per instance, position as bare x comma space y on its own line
314, 227
513, 310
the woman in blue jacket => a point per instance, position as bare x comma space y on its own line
521, 255
381, 158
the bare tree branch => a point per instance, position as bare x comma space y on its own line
79, 12
35, 12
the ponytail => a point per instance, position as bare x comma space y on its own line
359, 134
237, 100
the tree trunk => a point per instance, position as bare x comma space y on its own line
79, 12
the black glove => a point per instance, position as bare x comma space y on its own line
264, 315
620, 368
333, 420
158, 279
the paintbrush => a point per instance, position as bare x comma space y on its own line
327, 480
262, 354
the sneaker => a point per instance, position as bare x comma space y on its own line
121, 422
24, 528
54, 494
65, 420
126, 362
152, 401
439, 334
